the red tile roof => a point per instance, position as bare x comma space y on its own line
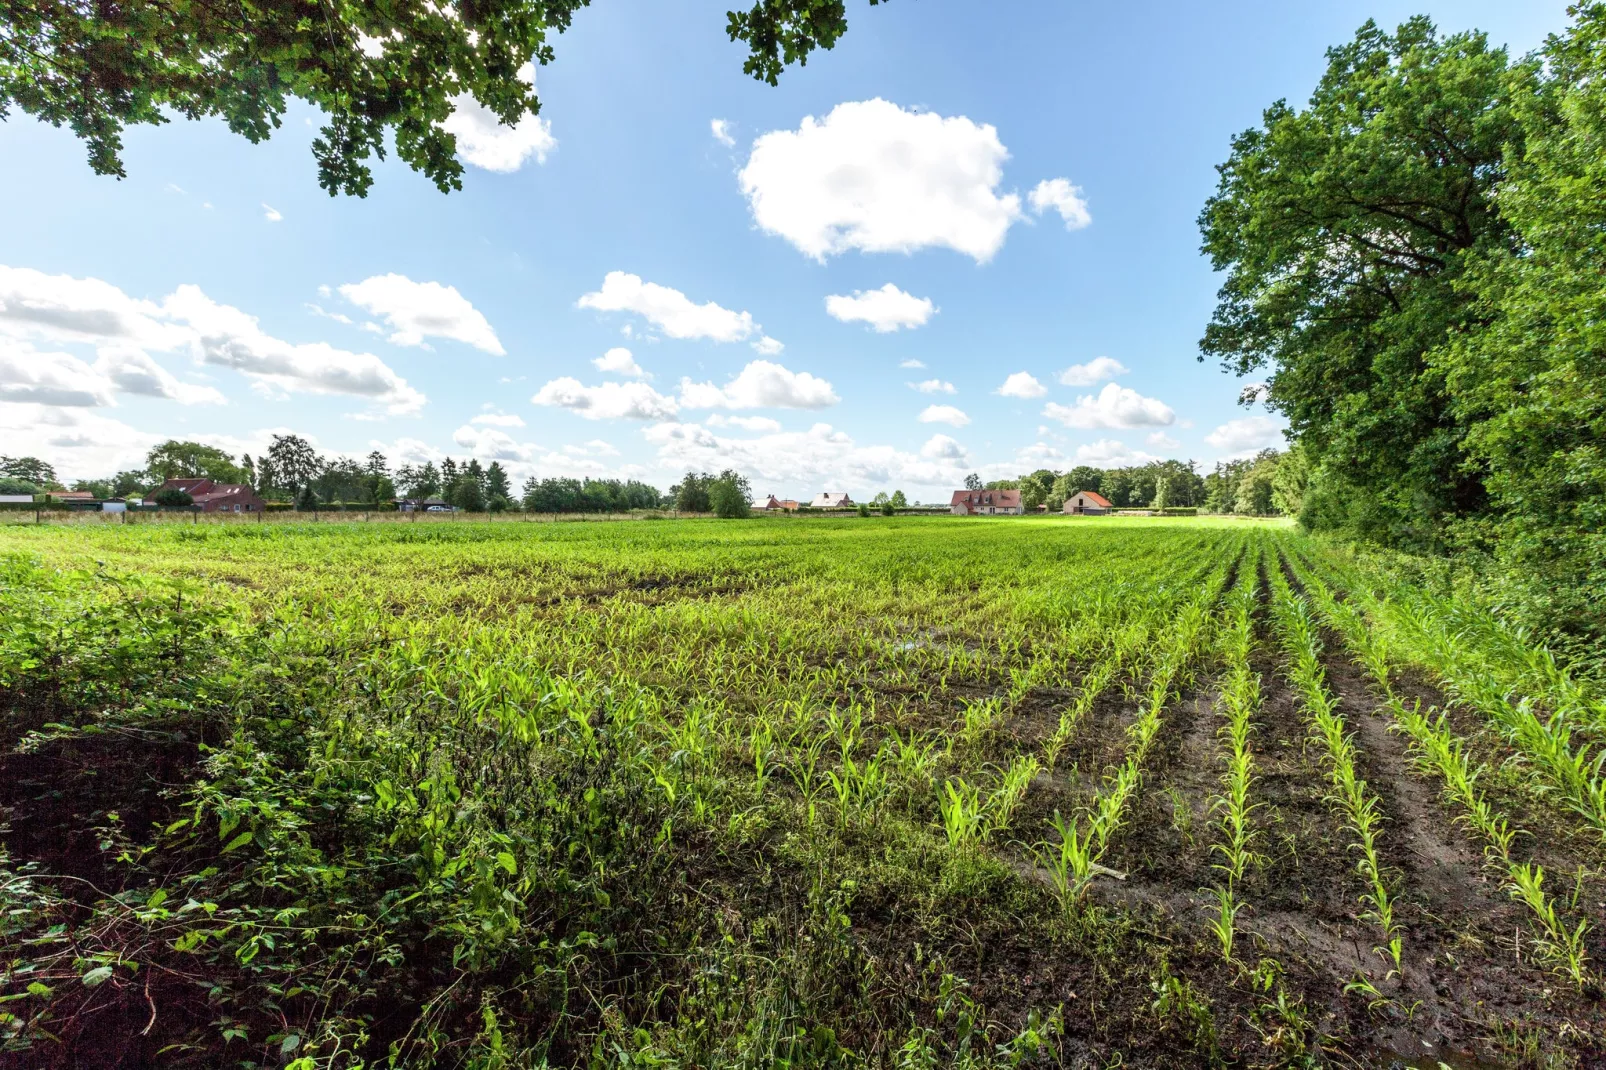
1096, 498
998, 499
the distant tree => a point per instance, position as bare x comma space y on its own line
131, 482
472, 470
100, 488
1162, 497
864, 508
465, 494
448, 473
377, 465
32, 469
1036, 488
881, 498
176, 459
899, 501
248, 470
173, 498
295, 463
496, 484
306, 500
730, 495
418, 482
888, 509
691, 493
973, 482
13, 485
1085, 477
1289, 480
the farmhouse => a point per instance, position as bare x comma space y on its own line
771, 504
832, 499
1087, 503
210, 497
985, 503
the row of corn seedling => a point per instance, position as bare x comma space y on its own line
1350, 796
1547, 742
1239, 700
1437, 751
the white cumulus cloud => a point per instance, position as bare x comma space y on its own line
271, 214
1093, 372
620, 361
64, 309
416, 310
29, 376
912, 363
942, 448
1115, 406
943, 414
768, 346
761, 385
1248, 434
497, 419
1162, 441
1022, 385
668, 309
721, 129
746, 423
801, 462
483, 140
1058, 194
934, 386
133, 371
607, 401
1109, 453
885, 310
878, 178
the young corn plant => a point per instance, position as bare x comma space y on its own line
964, 817
1436, 751
1004, 801
1240, 697
1350, 796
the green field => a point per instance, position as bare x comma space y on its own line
911, 792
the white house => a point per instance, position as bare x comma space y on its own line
832, 499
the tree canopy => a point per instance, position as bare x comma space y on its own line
1415, 257
397, 69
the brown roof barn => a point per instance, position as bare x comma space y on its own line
1087, 502
210, 497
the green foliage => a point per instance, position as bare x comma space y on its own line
292, 463
730, 496
29, 470
306, 500
172, 498
554, 495
13, 485
1345, 229
382, 77
423, 812
191, 460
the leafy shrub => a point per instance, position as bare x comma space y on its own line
172, 498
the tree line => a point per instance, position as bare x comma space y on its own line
1271, 483
1413, 262
293, 471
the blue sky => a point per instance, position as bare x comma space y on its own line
1025, 177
